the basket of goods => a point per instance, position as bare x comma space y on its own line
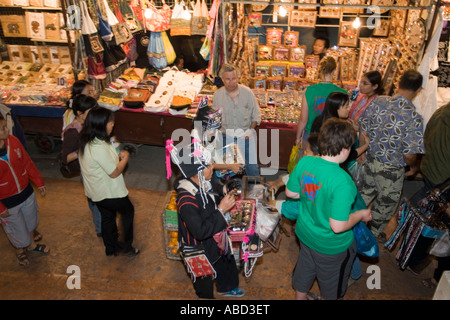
170, 224
243, 219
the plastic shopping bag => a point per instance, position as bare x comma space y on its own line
366, 244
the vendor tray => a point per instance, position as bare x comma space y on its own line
238, 236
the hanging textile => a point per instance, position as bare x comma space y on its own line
122, 33
155, 51
89, 31
180, 22
206, 47
96, 68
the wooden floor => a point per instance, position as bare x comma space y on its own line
66, 224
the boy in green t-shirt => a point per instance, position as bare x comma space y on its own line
324, 224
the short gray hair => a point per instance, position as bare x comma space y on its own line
228, 67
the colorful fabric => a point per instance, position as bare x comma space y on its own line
394, 128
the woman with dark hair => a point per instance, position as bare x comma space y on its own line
369, 87
101, 169
78, 87
70, 165
336, 106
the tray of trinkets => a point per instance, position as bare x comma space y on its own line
243, 219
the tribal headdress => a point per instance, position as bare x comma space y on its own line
191, 160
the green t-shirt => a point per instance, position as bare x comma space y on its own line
316, 95
326, 191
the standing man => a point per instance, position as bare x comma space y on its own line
395, 131
240, 116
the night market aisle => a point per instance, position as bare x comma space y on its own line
66, 224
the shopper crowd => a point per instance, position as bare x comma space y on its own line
348, 148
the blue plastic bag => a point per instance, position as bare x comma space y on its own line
366, 244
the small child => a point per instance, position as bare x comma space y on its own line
18, 207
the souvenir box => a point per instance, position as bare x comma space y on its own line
273, 36
259, 83
262, 69
291, 38
296, 70
35, 24
297, 54
279, 69
265, 52
330, 12
281, 53
348, 35
275, 83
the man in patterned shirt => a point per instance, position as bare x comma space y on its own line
395, 130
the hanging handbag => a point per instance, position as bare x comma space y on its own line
105, 28
122, 33
168, 48
129, 16
155, 52
96, 68
89, 31
180, 22
199, 21
159, 19
130, 49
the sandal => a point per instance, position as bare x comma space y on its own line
312, 296
37, 236
130, 252
23, 259
40, 248
237, 293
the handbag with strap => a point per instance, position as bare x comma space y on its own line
199, 21
196, 262
179, 24
89, 31
129, 16
96, 68
159, 18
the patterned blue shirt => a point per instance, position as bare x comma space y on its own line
394, 128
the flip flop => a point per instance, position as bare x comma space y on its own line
428, 283
23, 259
40, 248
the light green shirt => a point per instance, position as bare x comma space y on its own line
98, 161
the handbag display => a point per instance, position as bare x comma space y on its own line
136, 98
199, 21
179, 25
168, 48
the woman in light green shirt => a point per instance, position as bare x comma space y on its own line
101, 168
